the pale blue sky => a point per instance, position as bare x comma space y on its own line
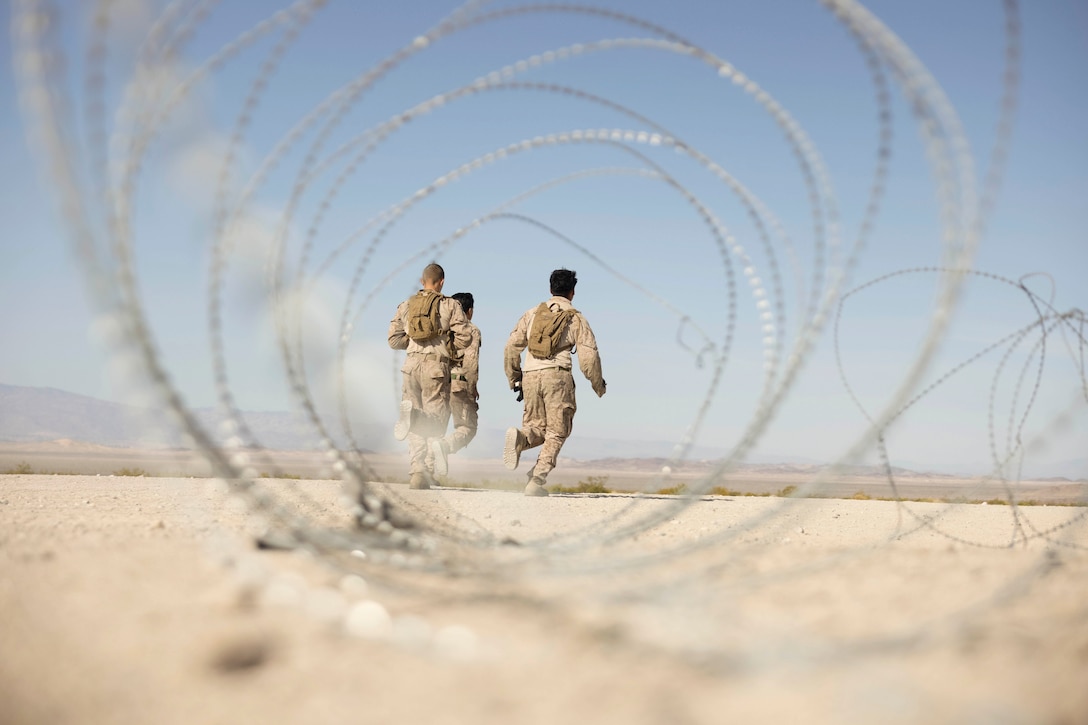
638, 226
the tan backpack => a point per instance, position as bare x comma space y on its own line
548, 330
424, 322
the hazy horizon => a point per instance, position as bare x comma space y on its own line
284, 430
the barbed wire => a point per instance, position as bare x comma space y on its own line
400, 540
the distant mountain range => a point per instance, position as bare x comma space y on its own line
35, 415
29, 415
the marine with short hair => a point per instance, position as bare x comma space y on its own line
553, 332
432, 329
464, 395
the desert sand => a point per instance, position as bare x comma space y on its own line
136, 599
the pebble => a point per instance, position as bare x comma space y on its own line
241, 654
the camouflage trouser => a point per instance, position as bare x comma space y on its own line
426, 382
549, 414
465, 412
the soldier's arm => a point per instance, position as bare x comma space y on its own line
589, 360
517, 342
398, 338
471, 363
460, 333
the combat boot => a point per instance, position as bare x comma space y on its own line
441, 450
535, 487
512, 448
419, 481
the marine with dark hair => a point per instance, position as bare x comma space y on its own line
433, 329
464, 396
549, 334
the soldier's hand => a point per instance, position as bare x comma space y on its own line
517, 390
600, 390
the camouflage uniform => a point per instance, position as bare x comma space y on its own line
426, 377
548, 385
463, 394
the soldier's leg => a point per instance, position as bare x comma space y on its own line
559, 409
417, 453
435, 398
434, 383
465, 413
531, 433
533, 420
412, 391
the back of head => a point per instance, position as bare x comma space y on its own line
563, 281
466, 300
432, 273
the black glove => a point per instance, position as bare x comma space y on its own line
517, 389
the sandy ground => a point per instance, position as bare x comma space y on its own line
136, 600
